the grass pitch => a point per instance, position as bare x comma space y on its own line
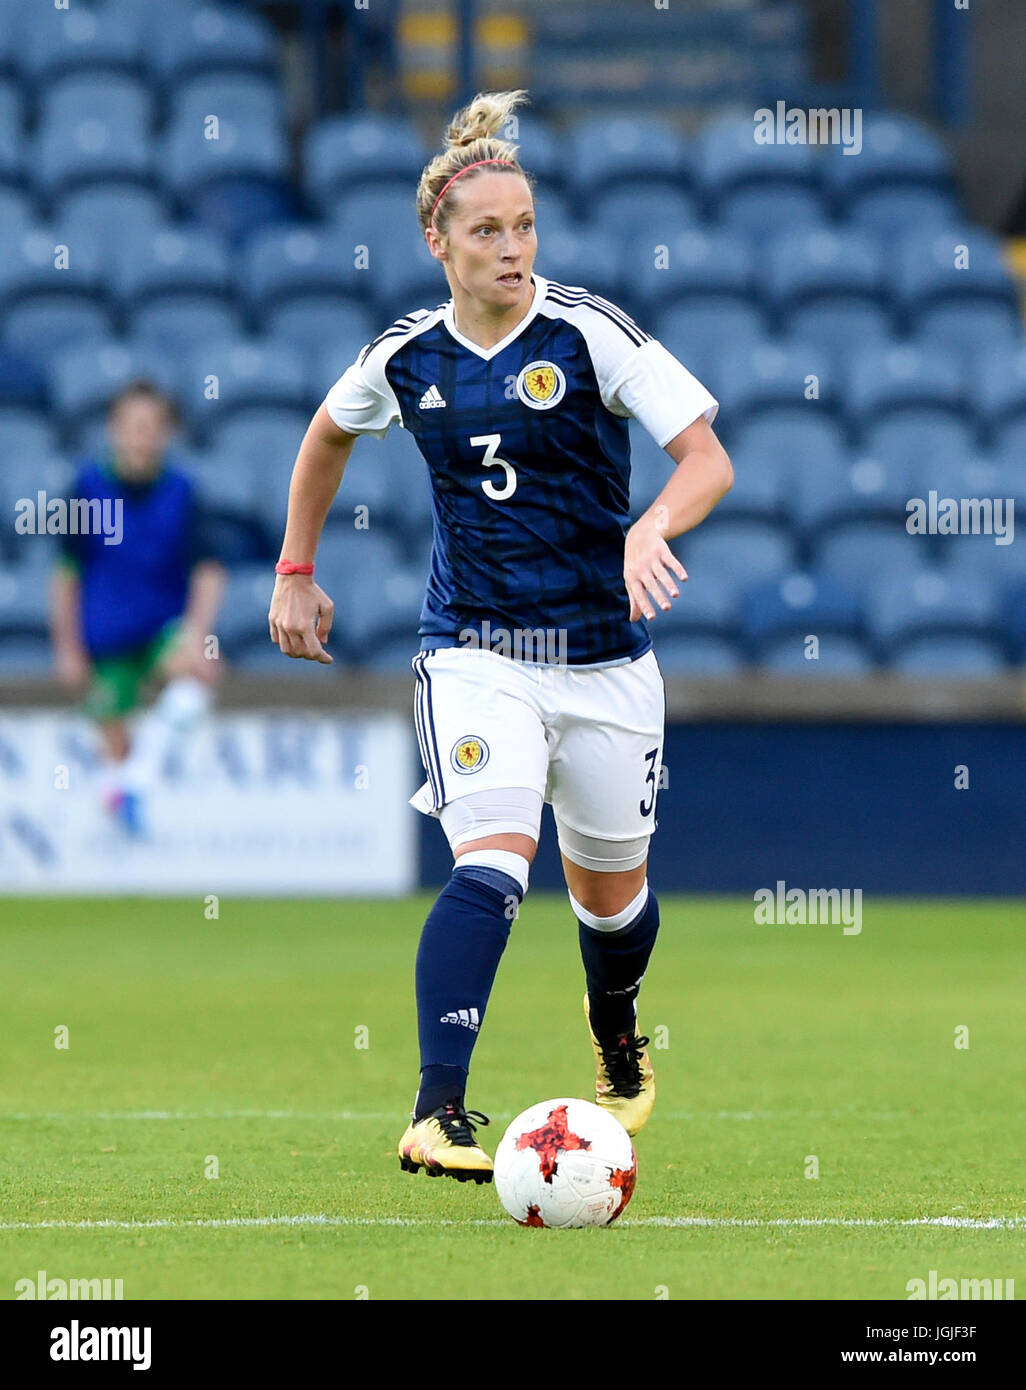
276, 1047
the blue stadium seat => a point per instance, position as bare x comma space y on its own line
190, 162
377, 605
837, 657
12, 138
25, 655
751, 549
25, 435
84, 377
343, 152
797, 603
242, 617
889, 211
409, 484
107, 97
392, 655
48, 321
211, 39
228, 495
284, 264
927, 269
811, 445
687, 655
24, 602
865, 489
729, 159
970, 328
371, 212
173, 261
115, 214
986, 554
698, 329
540, 150
1014, 605
17, 213
970, 657
23, 383
920, 439
244, 96
237, 207
259, 656
582, 257
262, 443
250, 373
642, 212
999, 386
861, 550
897, 152
841, 320
226, 482
81, 38
320, 325
823, 266
1010, 440
181, 322
762, 489
903, 378
30, 270
711, 266
90, 150
609, 150
768, 208
774, 378
707, 606
930, 603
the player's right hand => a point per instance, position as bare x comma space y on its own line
300, 617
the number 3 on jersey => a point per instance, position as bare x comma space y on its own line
491, 460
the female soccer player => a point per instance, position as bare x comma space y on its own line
535, 680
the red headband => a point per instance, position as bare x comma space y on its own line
455, 176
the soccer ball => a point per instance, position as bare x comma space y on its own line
565, 1163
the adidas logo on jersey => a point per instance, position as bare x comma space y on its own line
466, 1018
432, 398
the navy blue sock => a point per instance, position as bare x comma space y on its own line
460, 948
614, 962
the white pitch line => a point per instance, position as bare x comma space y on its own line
992, 1223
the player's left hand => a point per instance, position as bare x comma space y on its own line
649, 566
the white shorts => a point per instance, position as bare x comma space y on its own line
589, 741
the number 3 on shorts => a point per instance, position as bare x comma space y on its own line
650, 781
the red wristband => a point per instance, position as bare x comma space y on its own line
287, 567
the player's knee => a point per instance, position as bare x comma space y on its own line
604, 877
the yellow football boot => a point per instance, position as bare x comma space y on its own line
624, 1080
443, 1144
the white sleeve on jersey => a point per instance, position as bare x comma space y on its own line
362, 401
658, 391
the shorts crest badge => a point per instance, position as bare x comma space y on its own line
469, 754
541, 385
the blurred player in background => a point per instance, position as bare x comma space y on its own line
518, 392
130, 617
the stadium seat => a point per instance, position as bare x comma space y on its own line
729, 160
970, 328
930, 603
540, 150
852, 320
1010, 441
890, 211
922, 439
12, 138
902, 379
642, 211
610, 150
762, 489
17, 213
262, 442
25, 435
811, 445
897, 152
1014, 606
84, 377
698, 329
977, 658
861, 550
55, 43
999, 387
107, 97
707, 606
821, 264
90, 150
281, 264
227, 493
391, 656
836, 656
211, 39
928, 268
985, 554
237, 207
373, 212
22, 382
24, 601
24, 655
697, 655
769, 208
409, 482
865, 489
582, 257
376, 605
181, 322
343, 152
116, 214
322, 326
243, 96
797, 603
190, 161
775, 378
36, 325
258, 655
35, 266
249, 372
756, 549
709, 265
650, 468
242, 616
173, 261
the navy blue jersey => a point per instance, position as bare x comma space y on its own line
132, 589
528, 451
